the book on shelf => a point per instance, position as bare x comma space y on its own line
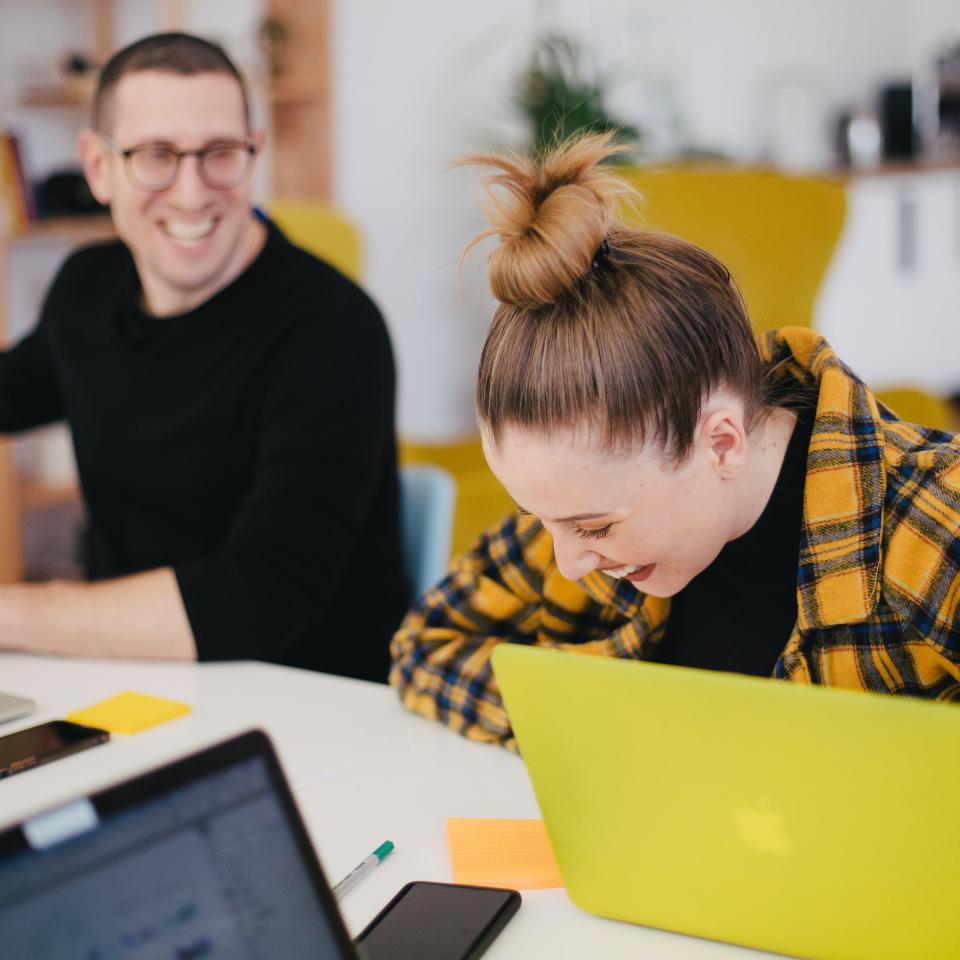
17, 202
28, 197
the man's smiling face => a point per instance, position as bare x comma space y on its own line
188, 240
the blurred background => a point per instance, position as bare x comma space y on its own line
814, 146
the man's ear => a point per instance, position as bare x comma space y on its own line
94, 159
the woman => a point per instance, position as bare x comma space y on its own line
685, 494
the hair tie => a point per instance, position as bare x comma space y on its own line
600, 257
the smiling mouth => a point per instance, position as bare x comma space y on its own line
632, 572
184, 232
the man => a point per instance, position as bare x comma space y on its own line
230, 399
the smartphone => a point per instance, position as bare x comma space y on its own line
49, 741
438, 921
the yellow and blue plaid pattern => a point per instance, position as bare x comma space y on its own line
878, 585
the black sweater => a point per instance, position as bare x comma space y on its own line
248, 444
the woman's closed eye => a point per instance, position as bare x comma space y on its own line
598, 534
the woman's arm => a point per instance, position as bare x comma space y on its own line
505, 590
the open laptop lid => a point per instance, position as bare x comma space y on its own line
810, 821
205, 857
12, 708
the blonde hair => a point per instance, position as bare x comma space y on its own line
627, 330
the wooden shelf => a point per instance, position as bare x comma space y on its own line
300, 102
39, 496
285, 91
58, 97
80, 229
889, 168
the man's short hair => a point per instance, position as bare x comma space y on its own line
180, 53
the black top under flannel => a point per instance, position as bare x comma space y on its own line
738, 614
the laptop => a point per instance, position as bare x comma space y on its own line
204, 858
12, 708
808, 821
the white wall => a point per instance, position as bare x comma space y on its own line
417, 84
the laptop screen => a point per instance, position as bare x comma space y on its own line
214, 867
11, 707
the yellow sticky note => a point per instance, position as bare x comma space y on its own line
129, 712
502, 853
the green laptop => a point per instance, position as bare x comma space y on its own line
814, 822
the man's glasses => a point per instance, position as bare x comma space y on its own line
154, 167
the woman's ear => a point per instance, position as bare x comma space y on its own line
724, 438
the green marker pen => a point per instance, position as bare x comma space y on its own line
362, 869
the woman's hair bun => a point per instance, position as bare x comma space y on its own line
551, 214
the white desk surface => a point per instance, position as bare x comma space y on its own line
363, 770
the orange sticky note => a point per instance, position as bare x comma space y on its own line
129, 712
502, 853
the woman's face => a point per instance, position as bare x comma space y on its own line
633, 514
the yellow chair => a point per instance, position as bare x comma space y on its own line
776, 233
321, 230
918, 406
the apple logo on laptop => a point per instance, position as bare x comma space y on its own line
762, 828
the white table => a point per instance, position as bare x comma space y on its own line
362, 768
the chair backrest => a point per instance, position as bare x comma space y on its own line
427, 495
320, 230
481, 501
776, 233
917, 406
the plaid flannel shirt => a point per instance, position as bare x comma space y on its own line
878, 585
